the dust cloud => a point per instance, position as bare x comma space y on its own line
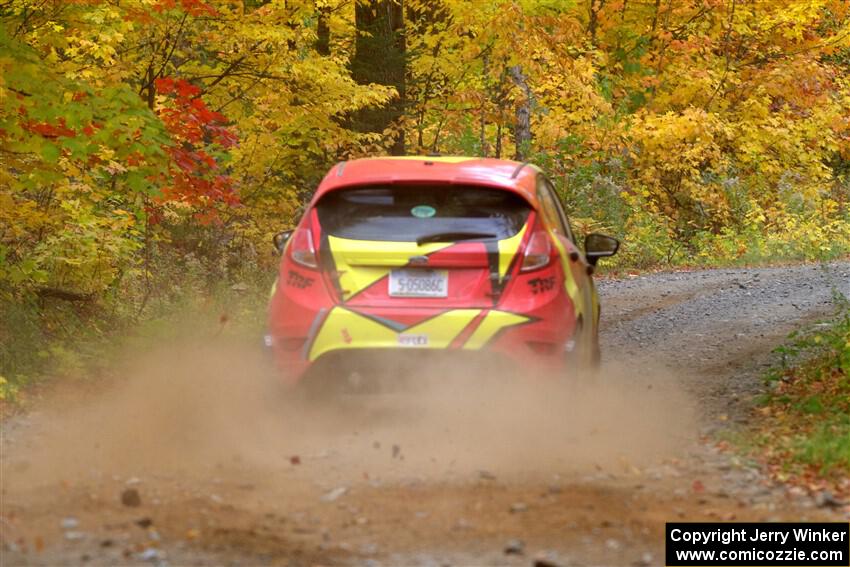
195, 408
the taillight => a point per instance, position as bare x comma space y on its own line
301, 249
538, 252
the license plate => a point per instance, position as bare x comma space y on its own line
419, 283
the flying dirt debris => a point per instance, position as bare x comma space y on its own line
130, 498
438, 359
579, 475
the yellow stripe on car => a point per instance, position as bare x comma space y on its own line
569, 277
444, 328
352, 259
343, 329
347, 329
493, 322
508, 248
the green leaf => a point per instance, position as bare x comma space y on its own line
50, 152
137, 182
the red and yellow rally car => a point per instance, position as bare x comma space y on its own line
435, 256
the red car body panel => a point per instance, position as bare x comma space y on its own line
502, 174
527, 317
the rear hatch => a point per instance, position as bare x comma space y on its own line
421, 245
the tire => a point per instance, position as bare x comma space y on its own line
588, 335
586, 356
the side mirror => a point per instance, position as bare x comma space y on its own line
279, 240
599, 246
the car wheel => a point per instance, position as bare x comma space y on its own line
586, 355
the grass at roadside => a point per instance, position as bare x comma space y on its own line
42, 341
802, 433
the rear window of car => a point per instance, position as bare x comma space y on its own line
410, 213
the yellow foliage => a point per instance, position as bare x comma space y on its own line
703, 127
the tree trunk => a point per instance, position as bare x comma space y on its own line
323, 32
593, 19
380, 57
522, 126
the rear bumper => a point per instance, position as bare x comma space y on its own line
534, 342
532, 325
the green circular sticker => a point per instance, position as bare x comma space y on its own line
423, 211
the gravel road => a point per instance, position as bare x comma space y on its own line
192, 458
717, 328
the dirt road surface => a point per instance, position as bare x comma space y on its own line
196, 457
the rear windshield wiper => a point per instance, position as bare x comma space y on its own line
452, 236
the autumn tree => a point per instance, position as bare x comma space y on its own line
380, 58
148, 131
131, 129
